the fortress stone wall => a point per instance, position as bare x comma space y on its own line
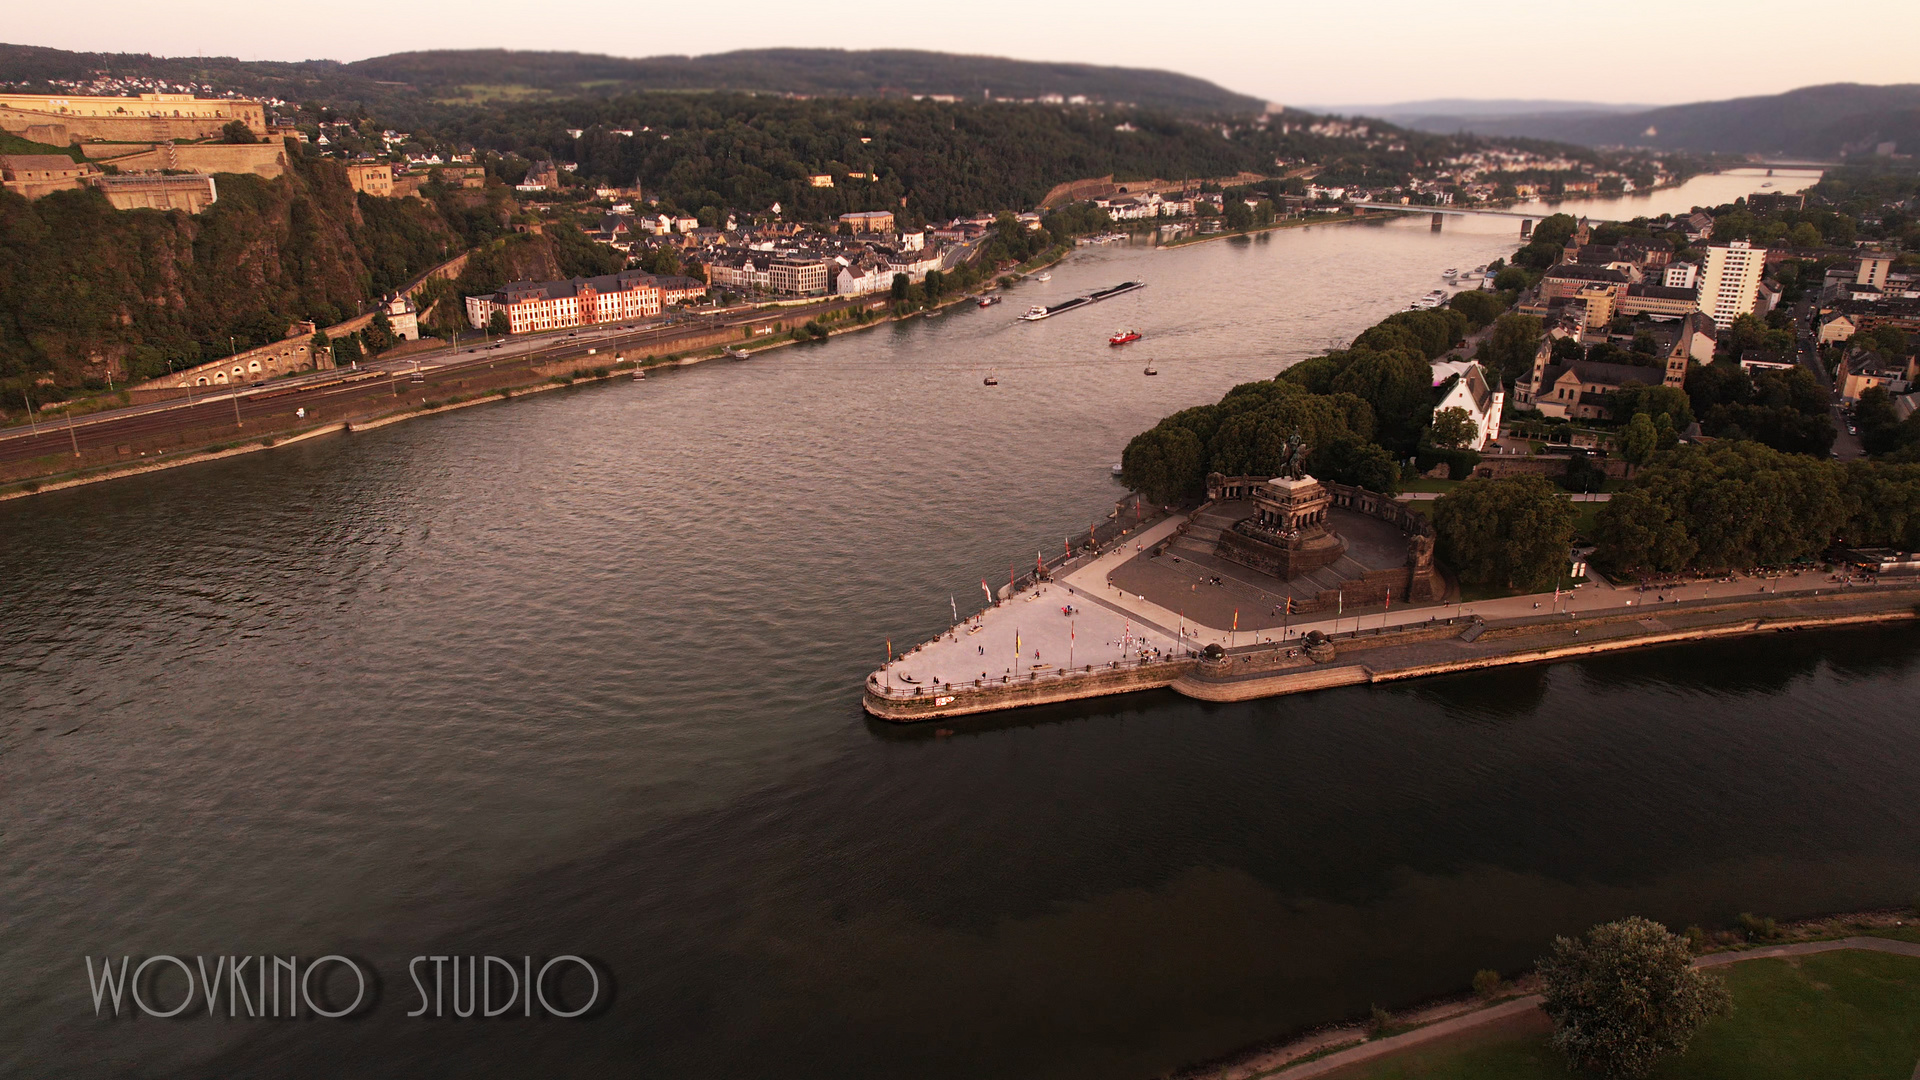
60, 120
261, 159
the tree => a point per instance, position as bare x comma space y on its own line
933, 285
1479, 306
1510, 279
237, 131
1625, 996
1511, 533
320, 345
1735, 504
497, 324
379, 332
1398, 385
1238, 214
1582, 474
1639, 441
1511, 346
1453, 428
346, 351
901, 284
1634, 399
1350, 460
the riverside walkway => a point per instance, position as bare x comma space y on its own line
1078, 636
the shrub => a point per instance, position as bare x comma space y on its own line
1460, 463
1758, 928
1380, 1022
1696, 938
1486, 982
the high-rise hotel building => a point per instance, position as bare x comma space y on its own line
1730, 280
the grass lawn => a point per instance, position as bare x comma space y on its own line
1584, 516
1427, 483
1846, 1015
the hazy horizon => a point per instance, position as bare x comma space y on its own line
1395, 54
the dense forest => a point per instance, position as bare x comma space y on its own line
418, 79
813, 72
734, 151
81, 282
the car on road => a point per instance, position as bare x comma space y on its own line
1851, 430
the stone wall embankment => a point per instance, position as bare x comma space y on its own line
963, 699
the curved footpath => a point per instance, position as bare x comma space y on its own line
1266, 1067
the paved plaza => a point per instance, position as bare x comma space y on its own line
1050, 638
1207, 589
1170, 613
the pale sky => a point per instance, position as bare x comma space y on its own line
1324, 51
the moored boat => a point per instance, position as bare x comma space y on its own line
1121, 337
989, 301
737, 353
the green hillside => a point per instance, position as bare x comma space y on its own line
502, 73
1815, 121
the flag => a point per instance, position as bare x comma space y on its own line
889, 650
984, 589
1236, 620
1389, 606
1039, 567
1067, 545
1340, 602
955, 605
1016, 643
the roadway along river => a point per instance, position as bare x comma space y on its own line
580, 673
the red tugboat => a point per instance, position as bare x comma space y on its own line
1121, 337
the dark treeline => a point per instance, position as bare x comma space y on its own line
740, 152
1361, 409
1739, 504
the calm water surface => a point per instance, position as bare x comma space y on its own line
579, 673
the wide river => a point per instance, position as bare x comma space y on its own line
579, 673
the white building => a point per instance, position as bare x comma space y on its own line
1472, 391
1730, 280
553, 305
1682, 275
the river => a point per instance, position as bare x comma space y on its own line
579, 673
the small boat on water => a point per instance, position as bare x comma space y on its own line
1118, 468
1043, 276
1122, 336
992, 379
989, 301
639, 373
1450, 273
1150, 370
737, 353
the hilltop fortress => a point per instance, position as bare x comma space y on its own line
148, 118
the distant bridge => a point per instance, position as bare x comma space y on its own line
1529, 215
